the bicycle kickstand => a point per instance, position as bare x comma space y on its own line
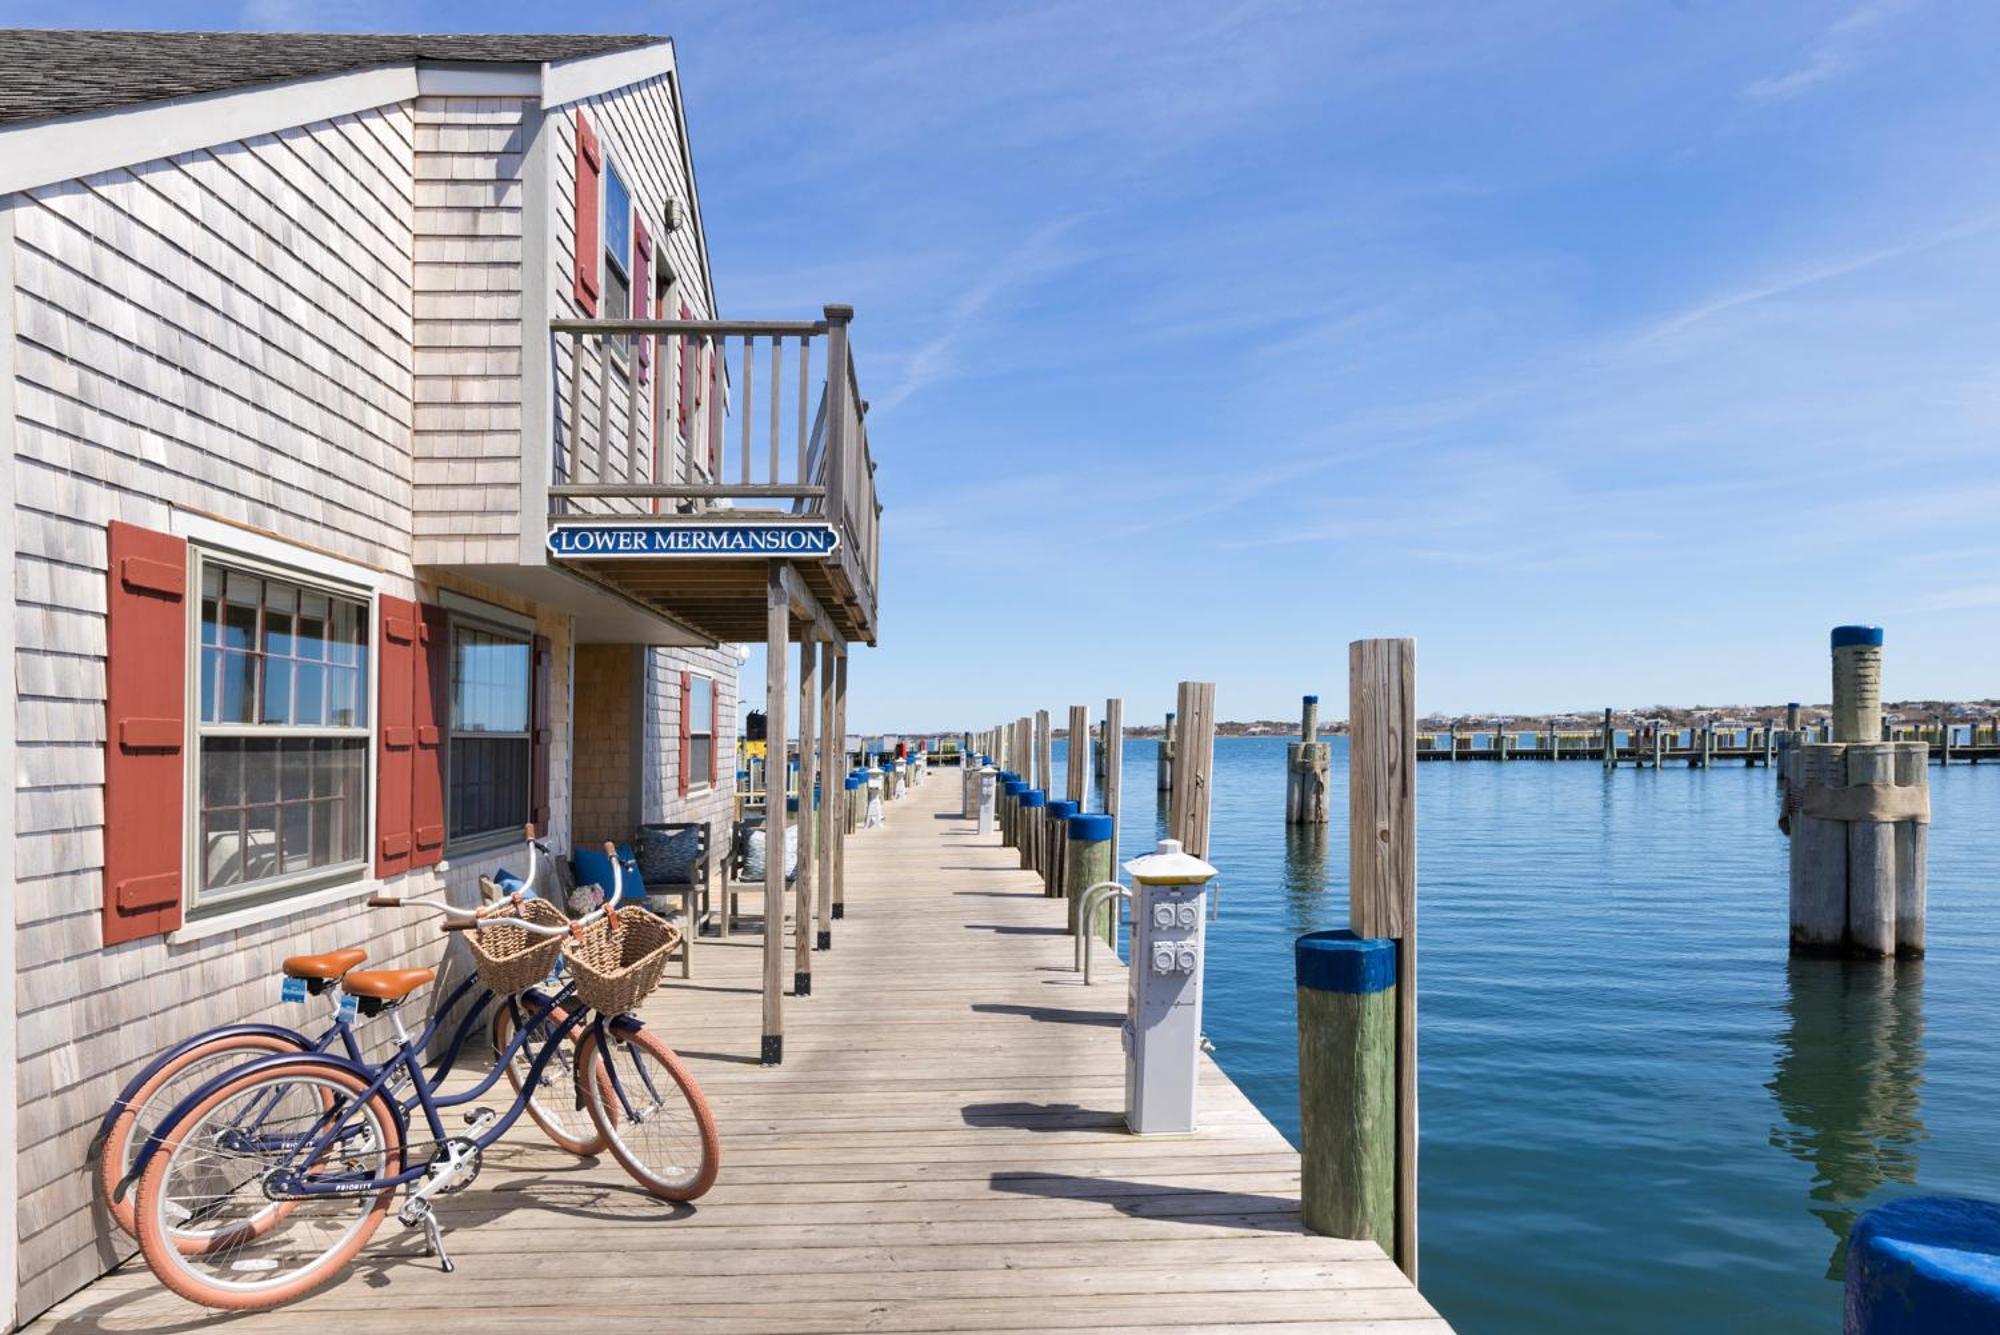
433, 1236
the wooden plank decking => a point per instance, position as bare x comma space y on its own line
942, 1151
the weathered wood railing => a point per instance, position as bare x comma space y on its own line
762, 418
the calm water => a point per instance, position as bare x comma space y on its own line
1638, 1113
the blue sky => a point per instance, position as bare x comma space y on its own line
1614, 352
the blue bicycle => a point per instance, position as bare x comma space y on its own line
260, 1186
180, 1070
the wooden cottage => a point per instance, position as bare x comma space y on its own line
380, 479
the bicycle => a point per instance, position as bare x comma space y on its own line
180, 1070
262, 1185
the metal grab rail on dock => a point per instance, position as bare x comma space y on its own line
1106, 893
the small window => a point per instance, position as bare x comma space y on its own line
701, 732
617, 257
490, 762
282, 701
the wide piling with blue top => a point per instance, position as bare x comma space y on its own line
1347, 1085
1054, 825
1928, 1265
1087, 858
1029, 820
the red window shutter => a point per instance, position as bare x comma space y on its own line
145, 702
395, 734
642, 291
687, 727
430, 682
542, 733
589, 171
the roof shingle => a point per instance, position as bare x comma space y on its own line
49, 72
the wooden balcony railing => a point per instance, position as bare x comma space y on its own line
705, 419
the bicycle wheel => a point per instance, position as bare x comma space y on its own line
159, 1095
553, 1105
206, 1225
652, 1111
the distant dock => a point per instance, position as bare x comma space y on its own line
1693, 748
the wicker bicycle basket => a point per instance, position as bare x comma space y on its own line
617, 960
511, 958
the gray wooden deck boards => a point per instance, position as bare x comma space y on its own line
942, 1151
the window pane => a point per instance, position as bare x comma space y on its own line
617, 227
489, 676
271, 807
701, 759
701, 705
277, 692
489, 784
264, 642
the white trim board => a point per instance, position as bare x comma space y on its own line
587, 76
10, 1036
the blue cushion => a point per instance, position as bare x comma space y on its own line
594, 868
668, 857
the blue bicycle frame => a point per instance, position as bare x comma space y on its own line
380, 1078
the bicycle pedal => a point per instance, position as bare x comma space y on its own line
481, 1117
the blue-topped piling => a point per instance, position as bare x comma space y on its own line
1347, 1085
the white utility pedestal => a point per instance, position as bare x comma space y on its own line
1162, 1029
989, 787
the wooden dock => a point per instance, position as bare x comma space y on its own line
942, 1151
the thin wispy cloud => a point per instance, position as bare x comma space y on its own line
1838, 51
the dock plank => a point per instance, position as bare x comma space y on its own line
943, 1150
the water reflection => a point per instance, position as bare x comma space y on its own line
1305, 877
1847, 1080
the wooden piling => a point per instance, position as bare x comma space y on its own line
1194, 764
1055, 852
1912, 854
1028, 822
1871, 857
1114, 767
1347, 1086
1609, 743
1044, 749
1382, 870
1077, 789
1307, 762
1819, 853
1165, 762
1088, 844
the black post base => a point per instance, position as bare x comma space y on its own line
774, 1049
840, 910
825, 941
802, 984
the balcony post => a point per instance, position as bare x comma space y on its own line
837, 406
777, 636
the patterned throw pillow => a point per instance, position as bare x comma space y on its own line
668, 857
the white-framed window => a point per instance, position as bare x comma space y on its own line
489, 765
281, 771
616, 303
700, 705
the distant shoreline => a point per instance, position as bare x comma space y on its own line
1681, 716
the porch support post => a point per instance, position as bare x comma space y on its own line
809, 830
777, 639
832, 771
840, 735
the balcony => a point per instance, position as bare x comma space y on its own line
690, 455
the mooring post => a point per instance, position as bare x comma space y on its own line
1347, 1085
1011, 789
1856, 807
1609, 743
1165, 775
1659, 739
1451, 739
1382, 873
1194, 763
1076, 786
1087, 862
1306, 764
1055, 829
1032, 802
1114, 768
